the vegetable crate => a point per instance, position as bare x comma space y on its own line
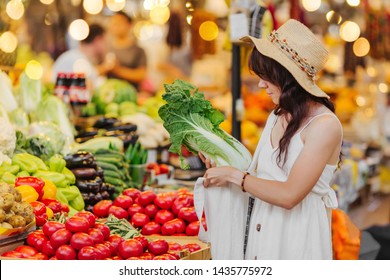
203, 254
12, 238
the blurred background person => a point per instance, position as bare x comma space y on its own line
87, 58
130, 58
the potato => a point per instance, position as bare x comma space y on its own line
5, 188
6, 225
2, 215
9, 201
26, 211
17, 221
17, 195
17, 208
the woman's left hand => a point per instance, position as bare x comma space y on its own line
222, 176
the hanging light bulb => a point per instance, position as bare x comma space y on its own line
93, 7
15, 9
8, 42
79, 29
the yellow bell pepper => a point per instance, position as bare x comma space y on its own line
49, 213
28, 193
49, 190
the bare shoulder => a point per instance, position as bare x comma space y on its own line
326, 127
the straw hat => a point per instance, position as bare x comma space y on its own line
296, 48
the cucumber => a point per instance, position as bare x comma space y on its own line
112, 174
100, 143
110, 160
107, 166
114, 181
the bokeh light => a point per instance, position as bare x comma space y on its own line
34, 70
311, 5
15, 9
93, 7
8, 42
116, 5
159, 15
79, 29
208, 31
361, 47
353, 3
47, 2
349, 31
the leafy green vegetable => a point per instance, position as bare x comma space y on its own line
136, 154
113, 91
30, 93
191, 121
7, 99
50, 132
37, 145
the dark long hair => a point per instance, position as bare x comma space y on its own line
293, 100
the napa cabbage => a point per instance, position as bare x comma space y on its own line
192, 121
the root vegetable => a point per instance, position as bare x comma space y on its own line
8, 201
17, 221
2, 215
6, 225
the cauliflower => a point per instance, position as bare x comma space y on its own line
7, 137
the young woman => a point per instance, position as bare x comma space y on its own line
297, 154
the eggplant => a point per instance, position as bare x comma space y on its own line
100, 172
83, 186
98, 197
85, 197
110, 188
105, 122
103, 187
79, 159
123, 127
89, 208
84, 173
105, 195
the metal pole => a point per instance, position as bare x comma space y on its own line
236, 91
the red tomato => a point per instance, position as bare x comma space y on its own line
117, 258
39, 256
174, 246
80, 240
188, 214
36, 239
115, 240
168, 229
65, 252
118, 212
51, 227
111, 247
146, 256
53, 204
143, 240
151, 210
26, 251
135, 208
192, 229
77, 224
39, 207
158, 247
192, 247
151, 228
130, 248
146, 197
163, 216
41, 219
12, 254
48, 249
164, 169
180, 225
89, 216
53, 258
100, 209
105, 250
123, 201
167, 257
87, 253
60, 237
164, 201
183, 200
139, 220
96, 235
65, 208
104, 229
174, 254
204, 223
132, 192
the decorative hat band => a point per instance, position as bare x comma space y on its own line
293, 55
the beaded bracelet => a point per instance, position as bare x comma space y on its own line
243, 181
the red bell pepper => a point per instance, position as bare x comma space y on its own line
31, 181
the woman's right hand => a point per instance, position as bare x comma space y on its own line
207, 162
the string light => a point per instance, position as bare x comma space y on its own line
361, 47
8, 42
311, 5
116, 5
15, 9
93, 7
79, 29
34, 70
349, 31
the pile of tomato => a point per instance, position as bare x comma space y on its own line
169, 213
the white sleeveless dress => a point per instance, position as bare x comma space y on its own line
303, 232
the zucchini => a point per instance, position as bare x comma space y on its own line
107, 166
100, 143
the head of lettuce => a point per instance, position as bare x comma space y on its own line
192, 121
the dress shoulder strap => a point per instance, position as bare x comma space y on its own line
319, 115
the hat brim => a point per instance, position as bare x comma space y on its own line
265, 47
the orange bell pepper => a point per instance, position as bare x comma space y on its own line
28, 193
49, 190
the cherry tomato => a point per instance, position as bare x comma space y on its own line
151, 228
100, 209
65, 252
48, 249
146, 197
105, 250
115, 240
87, 253
132, 192
77, 224
36, 239
26, 251
143, 240
164, 201
163, 216
192, 229
188, 214
151, 210
123, 201
140, 219
96, 235
118, 212
135, 208
183, 200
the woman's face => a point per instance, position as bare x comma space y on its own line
272, 90
119, 26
